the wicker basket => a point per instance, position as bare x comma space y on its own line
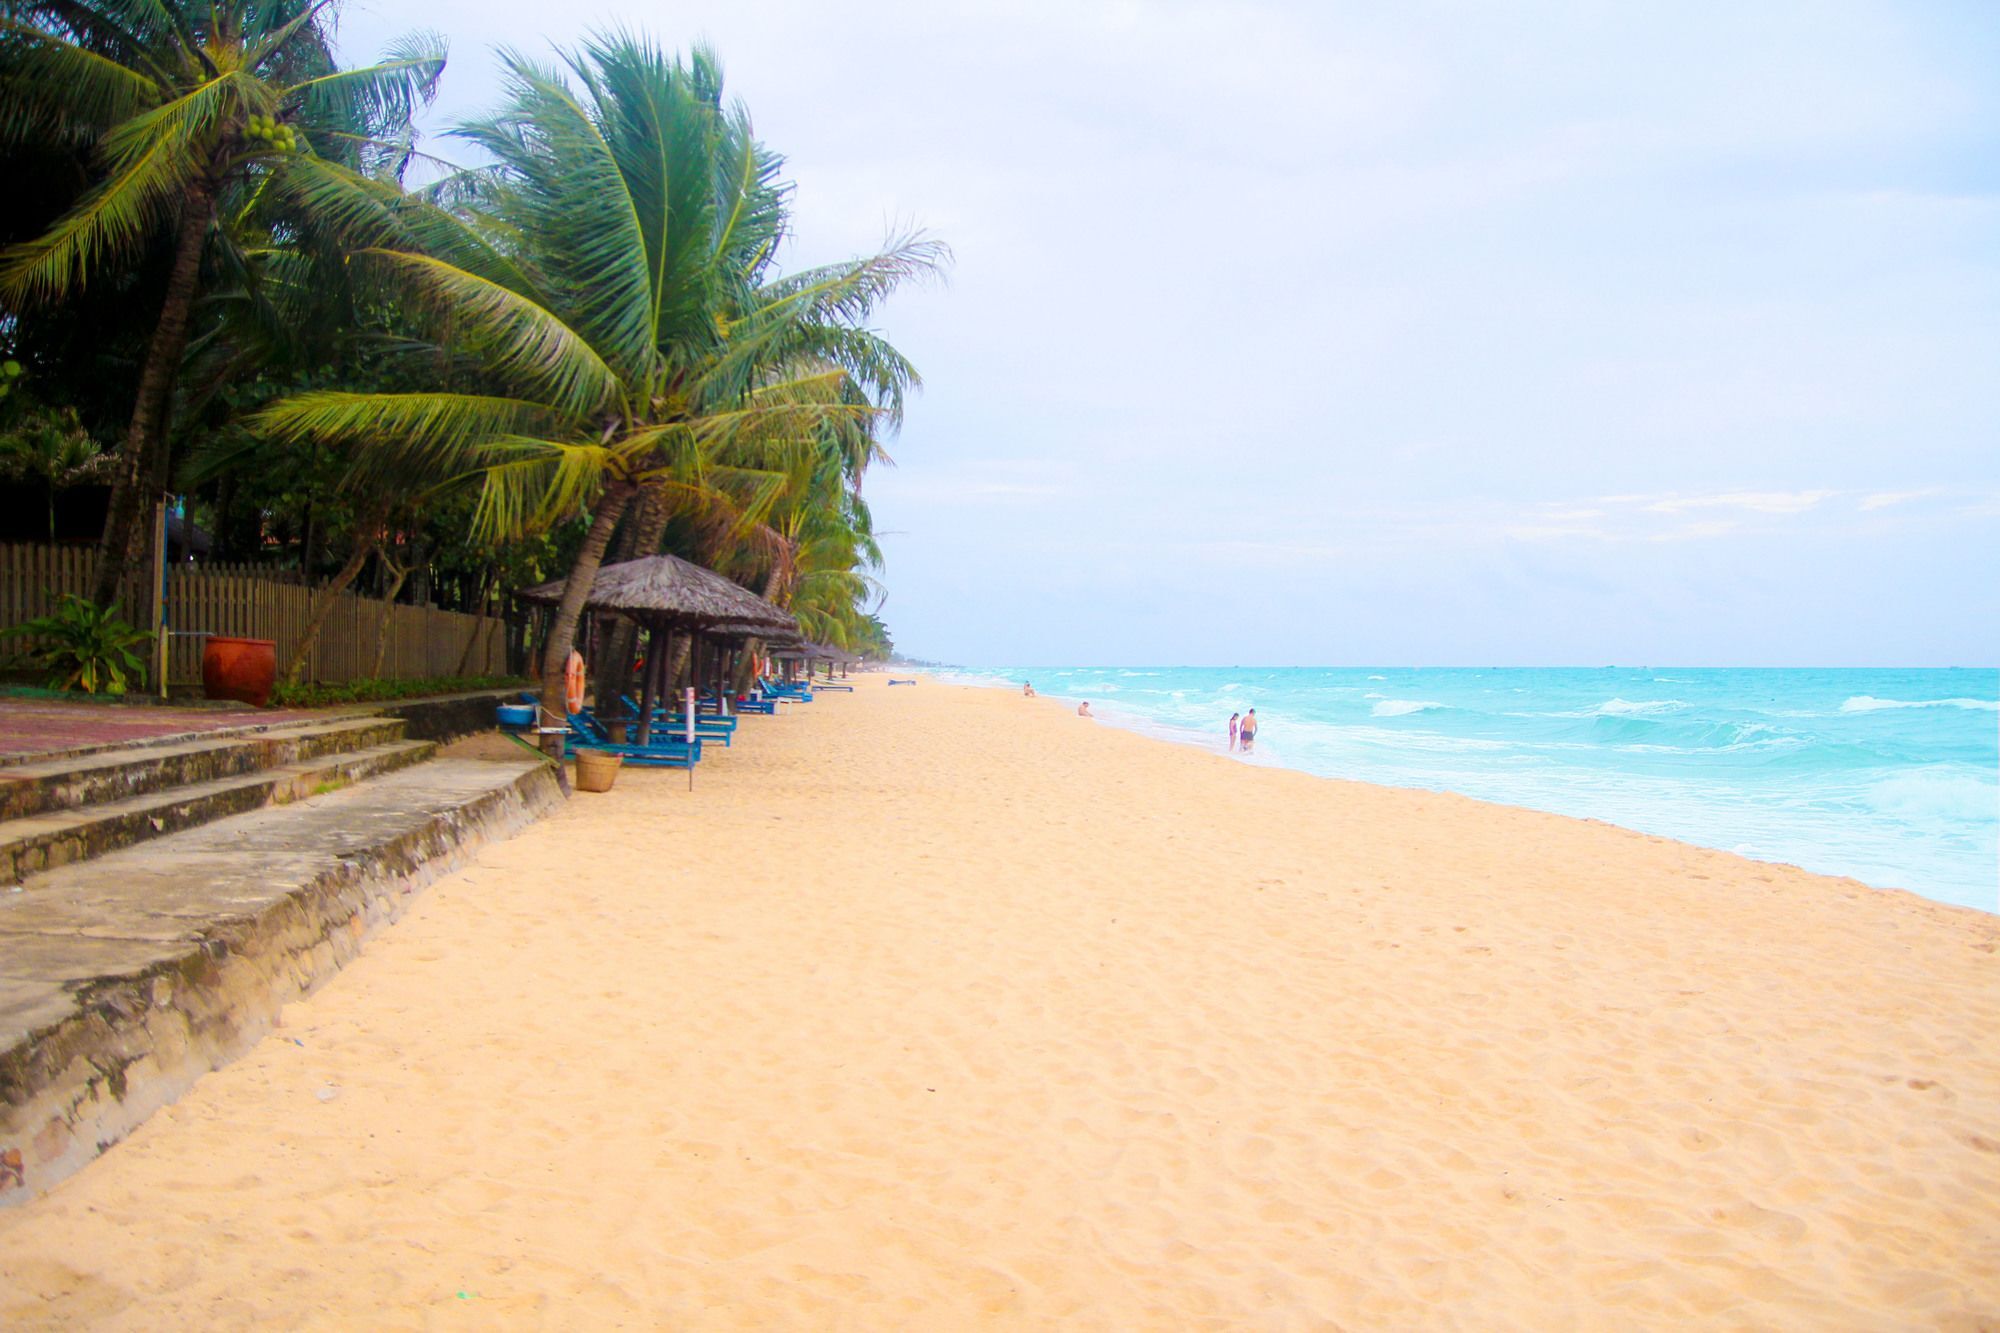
595, 770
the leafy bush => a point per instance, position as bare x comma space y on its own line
86, 647
374, 691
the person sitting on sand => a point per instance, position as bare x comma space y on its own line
1028, 689
1083, 709
1246, 736
1234, 718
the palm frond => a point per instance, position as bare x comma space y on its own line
779, 429
142, 31
399, 436
362, 212
377, 99
155, 157
793, 317
521, 341
51, 86
660, 123
575, 203
869, 360
849, 291
757, 203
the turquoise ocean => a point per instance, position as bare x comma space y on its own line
1890, 776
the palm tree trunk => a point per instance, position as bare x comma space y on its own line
683, 646
778, 583
145, 434
555, 653
640, 538
480, 631
478, 607
777, 591
366, 533
397, 574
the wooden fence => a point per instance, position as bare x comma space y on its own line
250, 602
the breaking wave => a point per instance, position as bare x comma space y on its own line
1868, 703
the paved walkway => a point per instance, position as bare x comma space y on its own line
49, 726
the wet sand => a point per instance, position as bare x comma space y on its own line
933, 1008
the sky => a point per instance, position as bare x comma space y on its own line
1419, 334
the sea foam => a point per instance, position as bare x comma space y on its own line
1643, 708
1404, 707
1867, 703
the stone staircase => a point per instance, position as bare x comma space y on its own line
160, 903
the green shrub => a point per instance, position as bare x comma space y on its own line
86, 647
376, 691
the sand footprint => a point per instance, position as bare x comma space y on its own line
1771, 1225
1197, 1082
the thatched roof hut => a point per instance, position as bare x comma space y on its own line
740, 630
805, 650
665, 591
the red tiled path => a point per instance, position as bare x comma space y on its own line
48, 726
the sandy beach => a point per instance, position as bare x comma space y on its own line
934, 1008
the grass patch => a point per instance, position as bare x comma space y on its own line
375, 691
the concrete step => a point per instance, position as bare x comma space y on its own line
127, 771
42, 842
125, 977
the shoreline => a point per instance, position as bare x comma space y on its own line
1634, 820
929, 1009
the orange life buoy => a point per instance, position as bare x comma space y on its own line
573, 682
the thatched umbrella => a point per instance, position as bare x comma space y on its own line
736, 634
808, 651
664, 593
799, 651
666, 590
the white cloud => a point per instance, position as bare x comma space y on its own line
1761, 502
1887, 499
1719, 527
1545, 532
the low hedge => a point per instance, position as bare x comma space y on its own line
375, 691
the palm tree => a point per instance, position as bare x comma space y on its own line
186, 102
814, 553
49, 445
609, 283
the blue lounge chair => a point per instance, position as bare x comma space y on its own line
707, 727
710, 705
587, 733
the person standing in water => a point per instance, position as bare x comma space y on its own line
1234, 718
1246, 735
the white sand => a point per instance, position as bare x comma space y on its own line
935, 1008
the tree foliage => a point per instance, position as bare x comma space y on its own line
477, 379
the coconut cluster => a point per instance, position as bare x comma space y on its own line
9, 372
266, 130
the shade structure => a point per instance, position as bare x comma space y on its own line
668, 592
739, 630
806, 650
